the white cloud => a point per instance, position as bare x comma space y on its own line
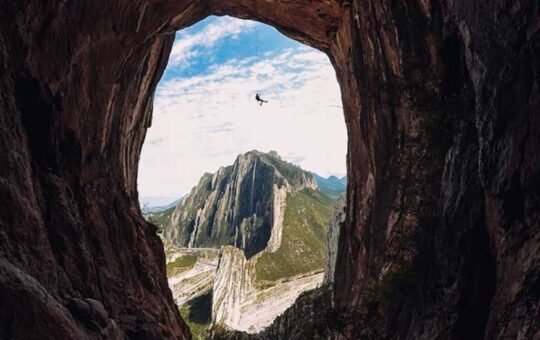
203, 122
184, 48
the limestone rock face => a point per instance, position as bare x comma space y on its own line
240, 303
441, 102
311, 317
240, 205
233, 283
279, 205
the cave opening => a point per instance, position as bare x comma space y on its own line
227, 179
440, 101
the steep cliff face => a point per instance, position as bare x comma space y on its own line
311, 317
233, 285
332, 239
241, 205
441, 101
77, 258
240, 303
442, 216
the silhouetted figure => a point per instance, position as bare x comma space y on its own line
260, 100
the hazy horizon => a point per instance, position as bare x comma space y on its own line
161, 201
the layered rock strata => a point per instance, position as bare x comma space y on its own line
311, 317
234, 283
239, 304
240, 205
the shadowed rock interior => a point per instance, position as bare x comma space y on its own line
441, 101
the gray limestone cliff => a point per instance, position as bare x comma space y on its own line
241, 205
261, 212
233, 283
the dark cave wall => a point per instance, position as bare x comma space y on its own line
442, 232
75, 85
441, 102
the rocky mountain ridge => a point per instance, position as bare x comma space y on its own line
240, 205
313, 315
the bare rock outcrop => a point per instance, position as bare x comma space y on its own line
234, 282
311, 317
241, 205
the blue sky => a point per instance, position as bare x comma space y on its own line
205, 113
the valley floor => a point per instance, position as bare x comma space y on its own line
257, 311
193, 282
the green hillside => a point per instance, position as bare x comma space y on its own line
292, 173
303, 243
181, 264
159, 218
332, 185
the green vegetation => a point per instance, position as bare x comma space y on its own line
332, 185
159, 218
197, 312
290, 171
181, 264
304, 233
249, 209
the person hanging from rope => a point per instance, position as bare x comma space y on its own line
260, 100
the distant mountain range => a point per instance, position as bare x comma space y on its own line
147, 208
332, 185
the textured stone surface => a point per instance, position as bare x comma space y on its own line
240, 304
311, 317
233, 283
332, 239
441, 102
443, 201
241, 205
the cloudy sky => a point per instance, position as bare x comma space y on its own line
205, 113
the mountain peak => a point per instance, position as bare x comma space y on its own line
240, 205
295, 176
